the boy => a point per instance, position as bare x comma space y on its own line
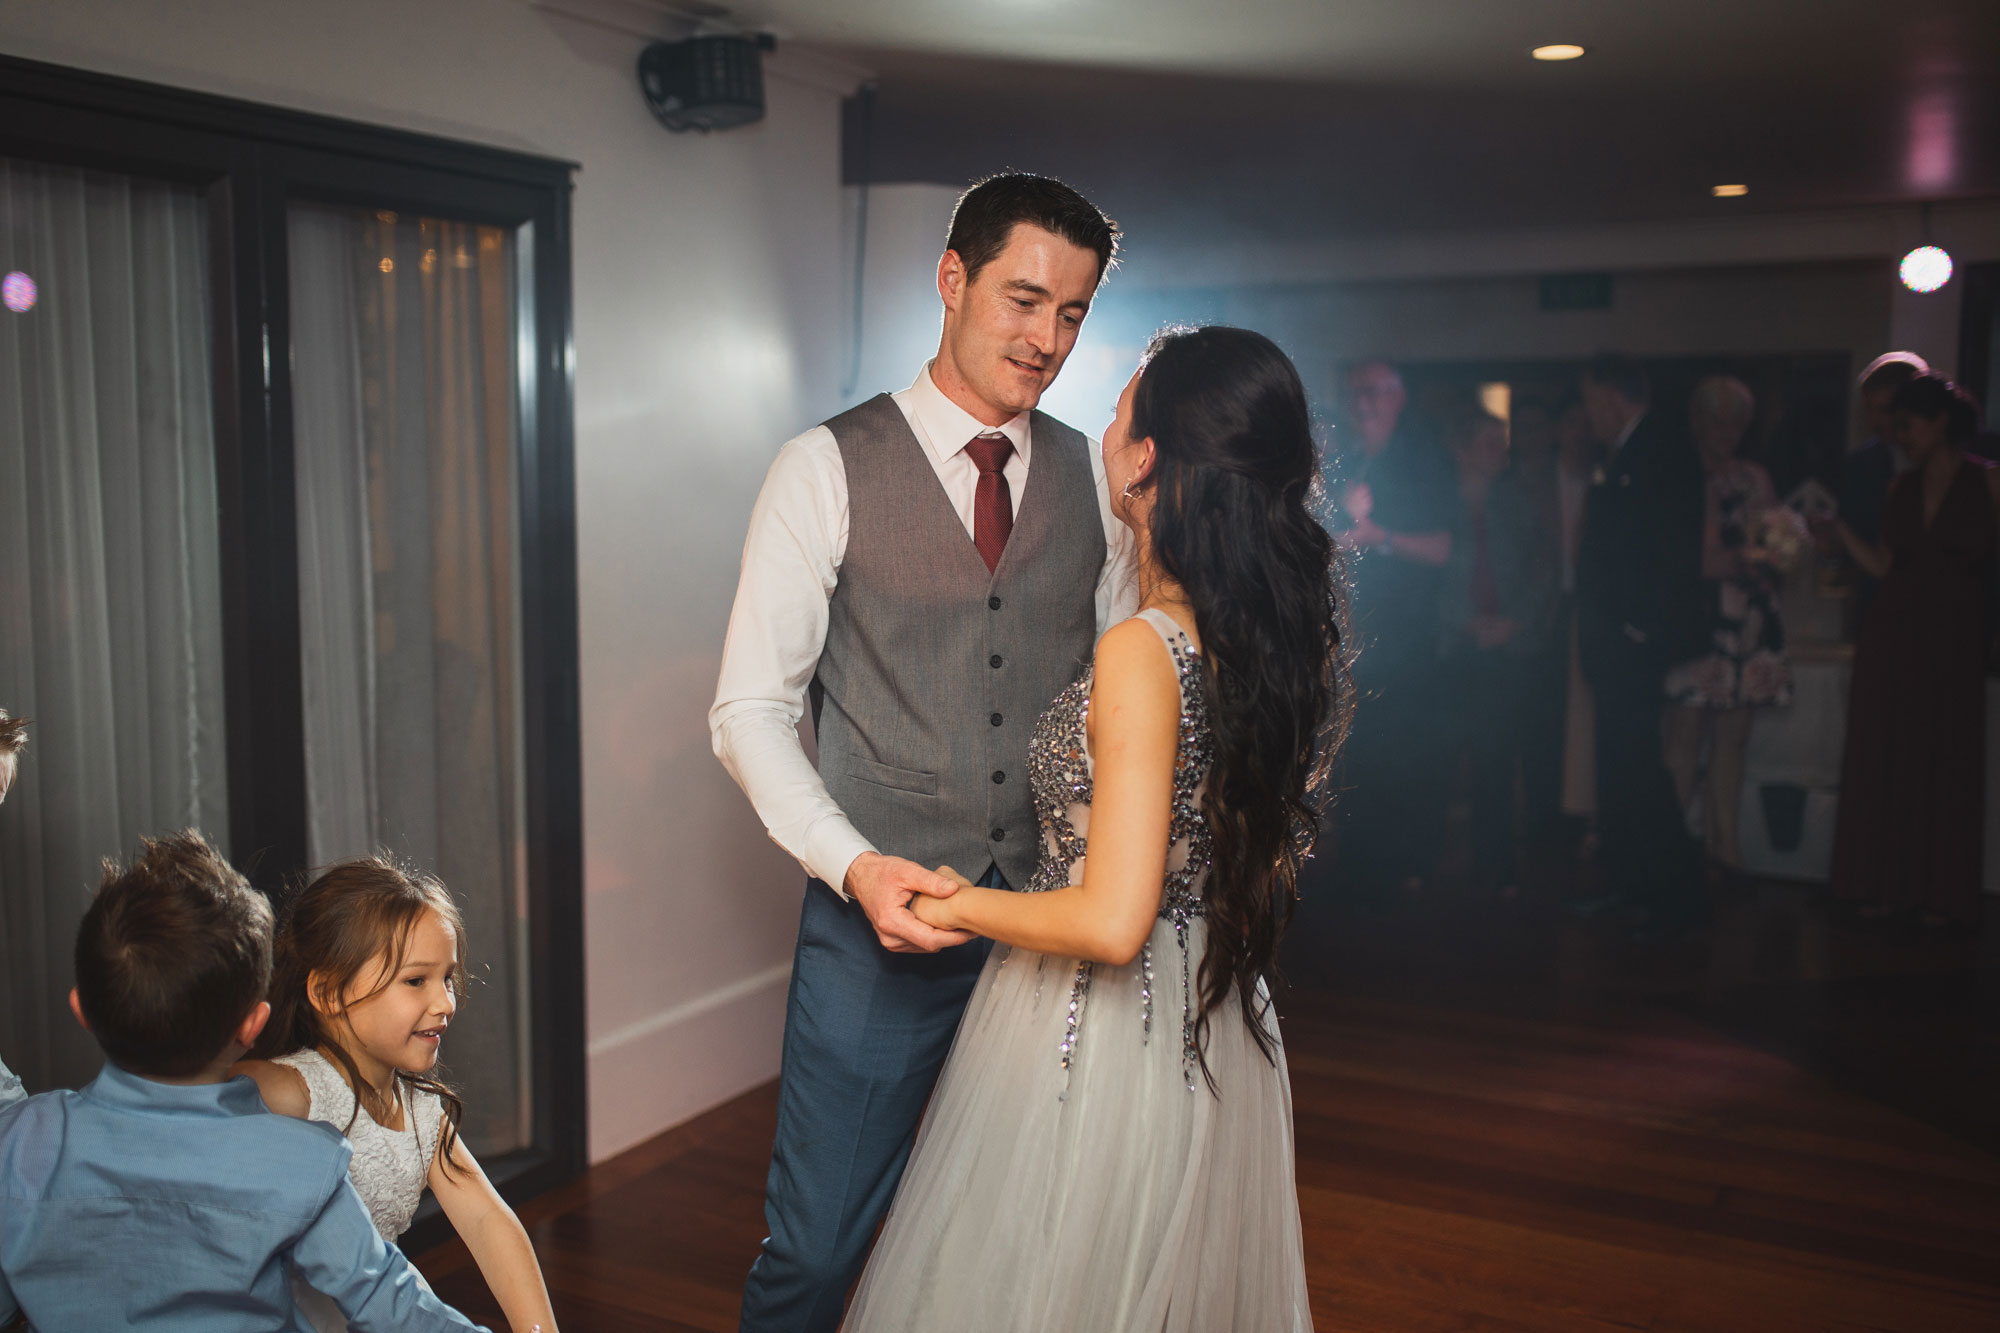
165, 1195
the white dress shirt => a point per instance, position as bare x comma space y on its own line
777, 629
1572, 490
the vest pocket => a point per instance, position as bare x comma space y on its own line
898, 779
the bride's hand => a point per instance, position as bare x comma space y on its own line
933, 912
938, 913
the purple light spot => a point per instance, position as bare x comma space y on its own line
17, 292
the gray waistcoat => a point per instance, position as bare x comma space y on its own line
934, 670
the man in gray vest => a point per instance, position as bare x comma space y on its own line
932, 567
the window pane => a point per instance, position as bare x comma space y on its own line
404, 388
110, 600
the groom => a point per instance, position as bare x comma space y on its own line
936, 565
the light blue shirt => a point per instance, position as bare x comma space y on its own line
11, 1090
142, 1205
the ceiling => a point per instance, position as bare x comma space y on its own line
1298, 118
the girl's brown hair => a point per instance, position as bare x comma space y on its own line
330, 935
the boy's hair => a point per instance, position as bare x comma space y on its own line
173, 954
985, 216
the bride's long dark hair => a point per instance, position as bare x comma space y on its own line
1233, 482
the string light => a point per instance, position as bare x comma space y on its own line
17, 292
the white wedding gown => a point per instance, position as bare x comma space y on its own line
1074, 1170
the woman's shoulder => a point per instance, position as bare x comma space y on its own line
1138, 661
1142, 635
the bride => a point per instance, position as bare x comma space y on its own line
1109, 1147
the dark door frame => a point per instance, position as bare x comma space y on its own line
252, 161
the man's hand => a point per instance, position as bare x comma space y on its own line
883, 886
1357, 500
1367, 535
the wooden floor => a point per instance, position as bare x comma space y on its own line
1485, 1142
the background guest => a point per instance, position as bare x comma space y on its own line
1552, 453
1393, 492
1639, 610
1743, 544
1867, 471
1576, 462
1913, 779
1499, 590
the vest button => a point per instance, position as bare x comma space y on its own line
999, 835
993, 603
995, 662
998, 777
995, 719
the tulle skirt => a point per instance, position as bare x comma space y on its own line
1107, 1196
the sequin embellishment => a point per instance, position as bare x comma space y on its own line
1059, 774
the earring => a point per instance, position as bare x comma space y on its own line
1126, 494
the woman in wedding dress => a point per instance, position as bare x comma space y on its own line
1109, 1147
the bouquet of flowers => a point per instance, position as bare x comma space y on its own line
1778, 538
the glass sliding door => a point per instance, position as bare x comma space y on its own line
287, 546
405, 441
110, 604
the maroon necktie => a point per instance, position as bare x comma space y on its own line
993, 502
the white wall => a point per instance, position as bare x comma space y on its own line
710, 326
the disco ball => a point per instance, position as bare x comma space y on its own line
17, 292
1926, 268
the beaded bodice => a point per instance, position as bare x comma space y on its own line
1060, 773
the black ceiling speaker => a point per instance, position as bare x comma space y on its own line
705, 83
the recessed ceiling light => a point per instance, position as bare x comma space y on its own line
1560, 51
1729, 191
1925, 269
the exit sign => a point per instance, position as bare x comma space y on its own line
1576, 291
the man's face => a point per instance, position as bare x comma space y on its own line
1374, 400
1607, 410
1009, 328
1875, 413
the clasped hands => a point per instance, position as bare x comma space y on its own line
907, 904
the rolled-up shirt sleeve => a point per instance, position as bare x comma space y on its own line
777, 629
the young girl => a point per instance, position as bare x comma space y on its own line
365, 982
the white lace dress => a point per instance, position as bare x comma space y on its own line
389, 1168
1074, 1170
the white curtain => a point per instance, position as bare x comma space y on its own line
110, 603
403, 365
